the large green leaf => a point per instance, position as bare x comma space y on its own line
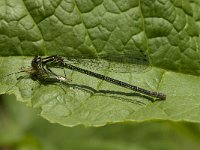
89, 101
166, 31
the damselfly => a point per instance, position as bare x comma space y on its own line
57, 61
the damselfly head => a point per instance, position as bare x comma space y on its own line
36, 60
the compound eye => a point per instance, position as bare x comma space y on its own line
37, 59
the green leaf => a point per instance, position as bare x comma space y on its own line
166, 31
93, 102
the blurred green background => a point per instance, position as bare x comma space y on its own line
22, 128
